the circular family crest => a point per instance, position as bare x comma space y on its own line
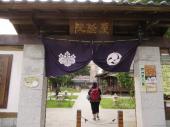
114, 58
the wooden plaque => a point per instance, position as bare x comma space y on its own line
5, 72
91, 27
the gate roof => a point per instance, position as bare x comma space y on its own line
52, 18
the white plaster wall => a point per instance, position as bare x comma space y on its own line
15, 81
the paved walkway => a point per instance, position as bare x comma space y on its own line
62, 117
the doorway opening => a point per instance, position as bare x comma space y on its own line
68, 93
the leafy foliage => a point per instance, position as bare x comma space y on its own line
66, 80
83, 71
167, 34
60, 80
126, 81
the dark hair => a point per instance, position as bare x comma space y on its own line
94, 85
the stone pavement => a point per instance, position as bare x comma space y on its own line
62, 117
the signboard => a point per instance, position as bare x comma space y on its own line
165, 62
166, 78
142, 74
91, 27
148, 78
5, 72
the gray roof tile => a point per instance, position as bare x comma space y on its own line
116, 2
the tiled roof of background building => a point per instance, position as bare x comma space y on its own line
115, 2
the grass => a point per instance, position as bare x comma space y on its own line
71, 97
59, 104
70, 90
66, 101
120, 103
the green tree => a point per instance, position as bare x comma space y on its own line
167, 34
60, 80
83, 71
126, 81
57, 82
66, 80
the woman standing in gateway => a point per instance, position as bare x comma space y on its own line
95, 98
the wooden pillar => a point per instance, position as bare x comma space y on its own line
78, 118
120, 118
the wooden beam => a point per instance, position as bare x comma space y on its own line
11, 48
35, 39
81, 6
61, 22
52, 15
26, 28
19, 40
22, 21
8, 115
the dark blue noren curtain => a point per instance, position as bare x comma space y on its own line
115, 57
62, 57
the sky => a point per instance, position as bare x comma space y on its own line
6, 27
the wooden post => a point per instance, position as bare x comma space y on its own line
78, 118
165, 108
120, 118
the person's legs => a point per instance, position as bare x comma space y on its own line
97, 109
93, 108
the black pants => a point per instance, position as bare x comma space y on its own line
95, 107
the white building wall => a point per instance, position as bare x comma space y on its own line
15, 81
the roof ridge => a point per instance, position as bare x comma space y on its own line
118, 2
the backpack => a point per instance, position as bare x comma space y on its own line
94, 94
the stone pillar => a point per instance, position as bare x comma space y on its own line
31, 111
149, 102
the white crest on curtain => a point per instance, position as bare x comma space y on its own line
67, 59
114, 58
